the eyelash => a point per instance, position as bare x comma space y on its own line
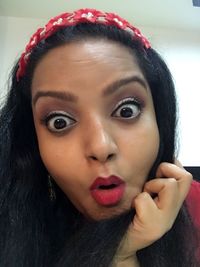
53, 116
57, 115
129, 101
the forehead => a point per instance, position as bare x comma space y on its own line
85, 59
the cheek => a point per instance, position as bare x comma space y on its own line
62, 161
61, 165
144, 138
140, 151
140, 154
58, 158
54, 151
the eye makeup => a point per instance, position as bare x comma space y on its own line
127, 109
57, 121
128, 104
129, 100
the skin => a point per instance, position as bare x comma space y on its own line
99, 142
154, 217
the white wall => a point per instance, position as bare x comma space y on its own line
181, 50
14, 35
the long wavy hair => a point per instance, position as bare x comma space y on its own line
36, 232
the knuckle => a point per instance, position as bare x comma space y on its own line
143, 195
162, 166
189, 176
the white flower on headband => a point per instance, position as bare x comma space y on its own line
68, 19
26, 57
87, 15
33, 41
43, 32
118, 21
58, 22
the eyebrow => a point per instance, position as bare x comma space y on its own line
66, 96
108, 90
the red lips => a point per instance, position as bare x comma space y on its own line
107, 191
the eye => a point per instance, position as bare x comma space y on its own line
58, 122
128, 108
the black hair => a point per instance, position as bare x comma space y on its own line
38, 232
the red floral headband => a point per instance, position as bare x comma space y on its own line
71, 19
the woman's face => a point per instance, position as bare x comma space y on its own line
95, 124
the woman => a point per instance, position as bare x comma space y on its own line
87, 151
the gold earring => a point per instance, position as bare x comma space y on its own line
52, 193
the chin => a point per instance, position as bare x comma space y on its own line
105, 213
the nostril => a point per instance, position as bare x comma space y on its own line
110, 156
93, 157
102, 158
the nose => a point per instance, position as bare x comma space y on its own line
100, 145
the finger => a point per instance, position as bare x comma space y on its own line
167, 192
144, 206
183, 177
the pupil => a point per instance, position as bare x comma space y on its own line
126, 112
59, 124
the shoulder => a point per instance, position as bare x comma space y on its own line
194, 189
193, 202
193, 205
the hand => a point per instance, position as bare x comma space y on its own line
155, 216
